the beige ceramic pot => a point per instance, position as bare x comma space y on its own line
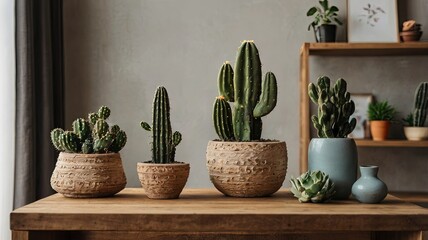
163, 181
416, 133
88, 175
247, 169
379, 130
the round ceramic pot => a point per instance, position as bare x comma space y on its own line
416, 133
88, 175
338, 158
247, 169
369, 188
379, 130
163, 181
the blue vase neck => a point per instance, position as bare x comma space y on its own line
369, 171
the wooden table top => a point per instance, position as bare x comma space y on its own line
208, 210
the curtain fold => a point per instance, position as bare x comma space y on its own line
39, 96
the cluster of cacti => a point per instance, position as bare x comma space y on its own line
251, 100
93, 135
335, 107
312, 186
421, 104
164, 141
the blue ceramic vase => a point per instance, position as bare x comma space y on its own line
338, 158
369, 188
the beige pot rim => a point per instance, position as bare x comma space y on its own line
247, 143
89, 154
161, 164
413, 127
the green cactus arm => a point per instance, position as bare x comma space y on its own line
268, 98
101, 145
104, 112
114, 129
313, 93
222, 116
119, 141
225, 82
87, 147
100, 129
70, 142
55, 138
162, 133
82, 129
146, 126
92, 118
176, 138
420, 105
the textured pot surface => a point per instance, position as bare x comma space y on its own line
247, 169
338, 158
416, 133
163, 181
88, 175
369, 188
379, 130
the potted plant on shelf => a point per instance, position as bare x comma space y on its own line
332, 152
89, 164
162, 177
240, 163
380, 115
323, 23
415, 130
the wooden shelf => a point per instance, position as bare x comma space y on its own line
390, 143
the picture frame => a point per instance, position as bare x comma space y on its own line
362, 101
372, 21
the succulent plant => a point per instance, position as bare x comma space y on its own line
90, 136
335, 108
312, 186
381, 111
252, 99
164, 140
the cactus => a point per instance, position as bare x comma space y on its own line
420, 105
251, 100
164, 141
90, 136
334, 108
222, 116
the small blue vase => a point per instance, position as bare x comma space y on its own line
369, 188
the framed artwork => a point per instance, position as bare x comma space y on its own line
362, 102
372, 21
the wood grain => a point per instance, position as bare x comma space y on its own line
390, 143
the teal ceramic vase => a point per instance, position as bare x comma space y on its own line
369, 188
338, 158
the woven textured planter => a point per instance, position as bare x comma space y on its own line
88, 175
247, 169
163, 181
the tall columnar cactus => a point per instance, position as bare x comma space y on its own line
252, 100
90, 136
420, 105
164, 141
334, 108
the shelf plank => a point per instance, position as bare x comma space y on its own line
367, 49
390, 143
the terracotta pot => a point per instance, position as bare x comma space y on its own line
411, 36
247, 169
379, 130
416, 133
163, 181
88, 175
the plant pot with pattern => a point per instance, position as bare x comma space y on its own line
240, 163
332, 152
89, 164
162, 177
415, 129
380, 115
324, 23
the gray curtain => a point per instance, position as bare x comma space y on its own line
39, 95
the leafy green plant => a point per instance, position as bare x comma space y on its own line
324, 15
312, 186
381, 111
335, 108
92, 135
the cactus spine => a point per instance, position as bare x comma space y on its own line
251, 100
164, 141
421, 104
90, 136
334, 108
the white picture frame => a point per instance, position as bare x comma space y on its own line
361, 101
372, 21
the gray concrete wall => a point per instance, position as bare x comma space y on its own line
118, 52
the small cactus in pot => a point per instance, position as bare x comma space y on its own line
162, 177
95, 145
416, 129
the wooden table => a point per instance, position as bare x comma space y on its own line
206, 214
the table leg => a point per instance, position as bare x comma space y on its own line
20, 235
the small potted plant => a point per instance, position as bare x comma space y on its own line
240, 163
89, 164
332, 152
380, 115
323, 23
312, 186
162, 177
415, 129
